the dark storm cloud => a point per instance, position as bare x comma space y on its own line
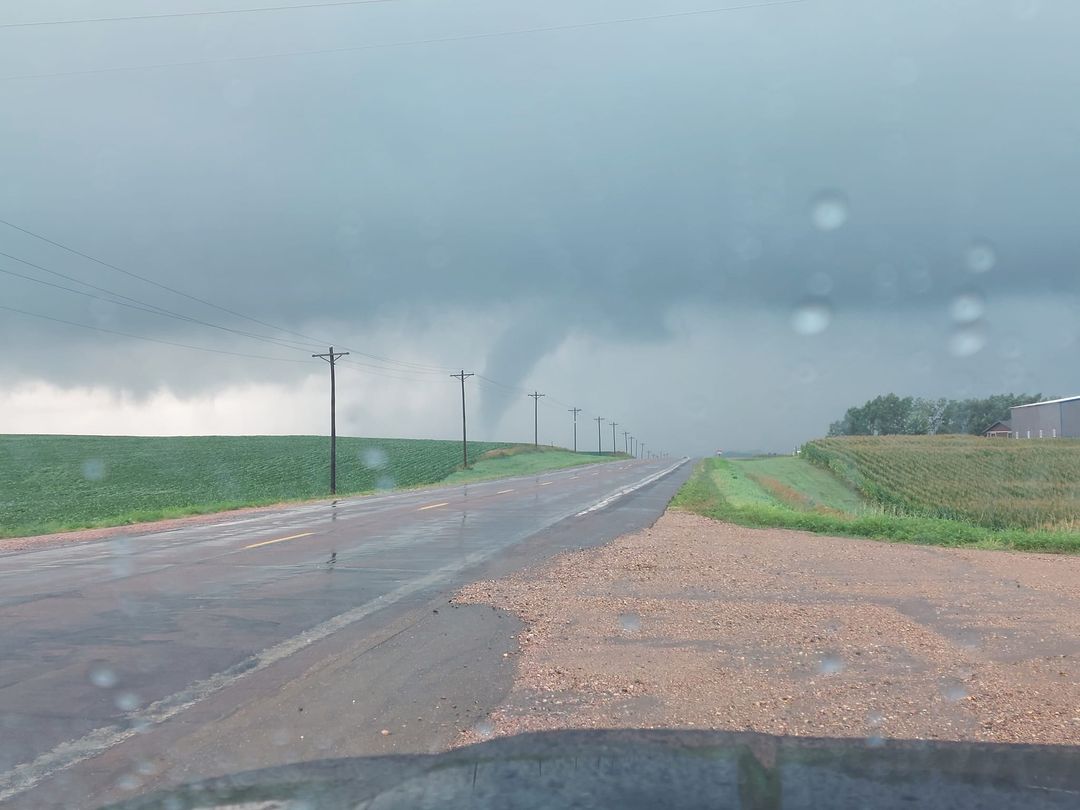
602, 175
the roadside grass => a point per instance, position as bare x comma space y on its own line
525, 460
60, 483
804, 486
709, 493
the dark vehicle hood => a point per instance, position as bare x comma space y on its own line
660, 769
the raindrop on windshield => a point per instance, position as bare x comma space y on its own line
954, 692
967, 340
967, 307
484, 730
980, 256
127, 701
812, 316
629, 622
829, 210
831, 665
93, 469
384, 482
374, 458
103, 677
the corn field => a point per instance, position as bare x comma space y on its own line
997, 483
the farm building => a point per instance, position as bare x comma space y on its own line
1047, 420
998, 430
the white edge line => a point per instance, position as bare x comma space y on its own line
25, 776
644, 482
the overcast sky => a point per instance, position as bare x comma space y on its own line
718, 229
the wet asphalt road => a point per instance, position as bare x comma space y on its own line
133, 642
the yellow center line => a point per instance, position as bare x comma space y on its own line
279, 540
503, 491
433, 506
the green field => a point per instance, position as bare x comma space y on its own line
55, 483
996, 483
728, 491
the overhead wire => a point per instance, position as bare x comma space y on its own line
313, 342
406, 43
149, 339
134, 303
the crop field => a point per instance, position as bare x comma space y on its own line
790, 497
996, 483
53, 483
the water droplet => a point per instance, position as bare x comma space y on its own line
812, 316
120, 562
875, 719
967, 340
373, 458
103, 677
484, 730
980, 256
127, 701
875, 741
384, 482
140, 725
145, 767
128, 782
831, 665
93, 469
967, 306
954, 692
629, 623
829, 210
820, 284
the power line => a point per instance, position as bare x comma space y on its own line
135, 303
177, 14
408, 42
149, 339
312, 340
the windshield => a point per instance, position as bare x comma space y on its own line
390, 377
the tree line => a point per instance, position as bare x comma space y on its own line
914, 416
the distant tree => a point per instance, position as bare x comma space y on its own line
890, 415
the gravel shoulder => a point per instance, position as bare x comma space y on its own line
700, 624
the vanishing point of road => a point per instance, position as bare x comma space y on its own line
309, 632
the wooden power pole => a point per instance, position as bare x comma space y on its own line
536, 416
464, 436
575, 412
332, 357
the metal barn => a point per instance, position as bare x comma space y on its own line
1051, 419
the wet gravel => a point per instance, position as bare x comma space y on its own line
699, 624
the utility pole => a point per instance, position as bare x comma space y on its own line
536, 416
575, 412
613, 426
331, 357
599, 441
625, 443
464, 439
642, 447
